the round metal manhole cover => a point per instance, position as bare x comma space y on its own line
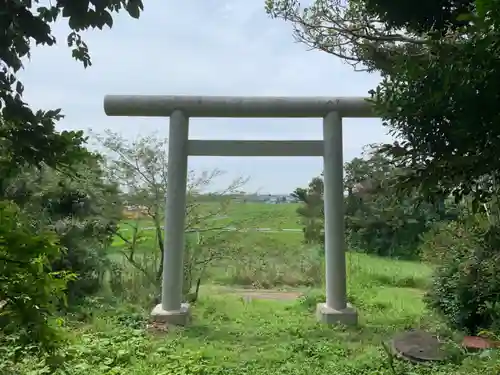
418, 346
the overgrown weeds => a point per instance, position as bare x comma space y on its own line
259, 337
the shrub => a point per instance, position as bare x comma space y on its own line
85, 255
466, 280
81, 207
29, 291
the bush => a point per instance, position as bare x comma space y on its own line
29, 291
85, 255
80, 207
466, 280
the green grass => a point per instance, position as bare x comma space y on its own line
233, 335
274, 238
274, 216
247, 215
230, 335
254, 258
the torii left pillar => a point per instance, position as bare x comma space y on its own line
171, 310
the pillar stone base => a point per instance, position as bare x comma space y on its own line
179, 317
327, 315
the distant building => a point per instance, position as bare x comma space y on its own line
270, 198
134, 212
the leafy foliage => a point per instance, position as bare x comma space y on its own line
312, 210
30, 135
83, 210
89, 214
429, 104
466, 283
28, 140
140, 167
438, 16
439, 61
367, 34
30, 291
379, 218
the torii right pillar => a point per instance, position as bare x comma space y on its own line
335, 310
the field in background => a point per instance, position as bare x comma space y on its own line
252, 215
274, 216
271, 259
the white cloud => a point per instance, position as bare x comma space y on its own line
211, 47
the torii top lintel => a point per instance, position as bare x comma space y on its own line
236, 106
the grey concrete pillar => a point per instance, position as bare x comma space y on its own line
334, 212
171, 309
335, 310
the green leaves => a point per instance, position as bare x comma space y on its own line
444, 108
134, 8
420, 17
466, 279
483, 7
29, 288
380, 219
30, 135
30, 293
442, 105
440, 67
465, 17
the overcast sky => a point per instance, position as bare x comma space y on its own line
209, 47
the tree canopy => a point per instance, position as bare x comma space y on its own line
379, 218
28, 134
440, 64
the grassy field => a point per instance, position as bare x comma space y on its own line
233, 334
263, 259
274, 216
249, 215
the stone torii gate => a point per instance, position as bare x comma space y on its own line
180, 108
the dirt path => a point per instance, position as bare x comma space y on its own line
266, 294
